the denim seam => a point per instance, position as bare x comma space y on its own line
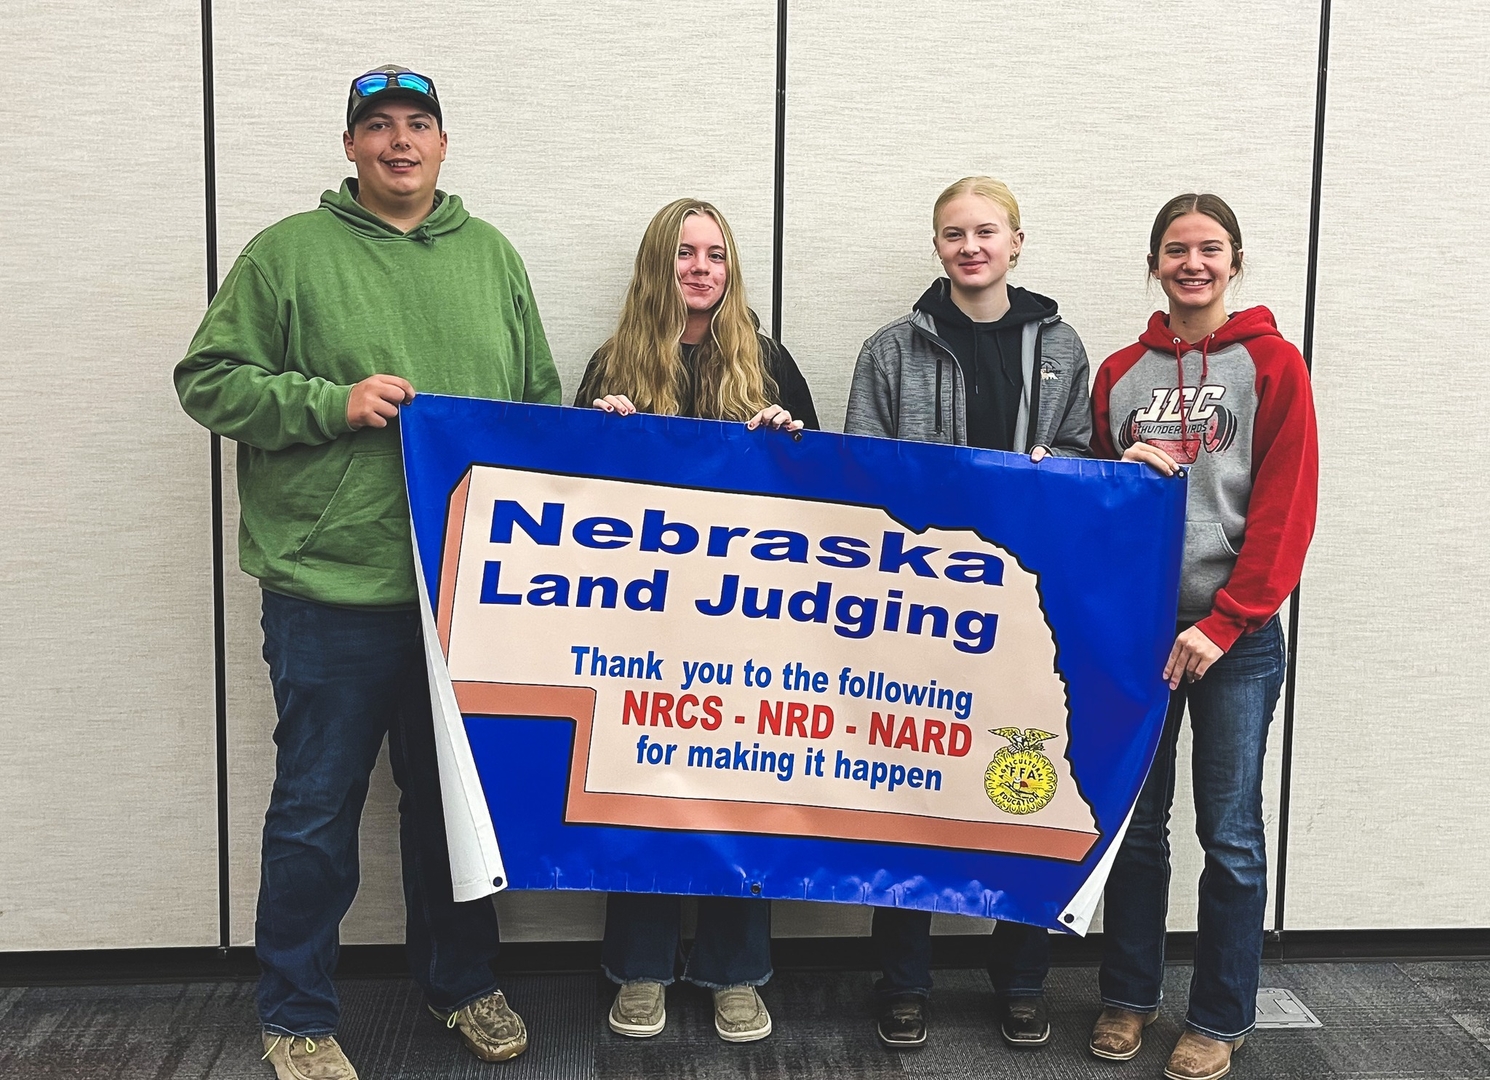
724, 986
473, 998
275, 1029
1144, 1010
613, 977
1208, 1033
886, 995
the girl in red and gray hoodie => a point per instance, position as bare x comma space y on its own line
1228, 399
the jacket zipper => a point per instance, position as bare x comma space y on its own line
938, 394
942, 353
1037, 376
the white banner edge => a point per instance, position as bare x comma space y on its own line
1083, 906
476, 868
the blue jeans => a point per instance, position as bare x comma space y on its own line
902, 941
1230, 710
731, 946
343, 678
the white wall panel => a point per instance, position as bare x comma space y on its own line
1391, 807
107, 776
569, 127
1090, 116
1094, 118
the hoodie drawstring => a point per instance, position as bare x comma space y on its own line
1205, 368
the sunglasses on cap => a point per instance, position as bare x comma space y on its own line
376, 81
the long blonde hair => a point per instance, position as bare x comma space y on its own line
644, 358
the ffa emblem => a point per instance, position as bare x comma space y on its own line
1020, 778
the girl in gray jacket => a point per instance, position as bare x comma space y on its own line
976, 363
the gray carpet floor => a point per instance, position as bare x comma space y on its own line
1382, 1021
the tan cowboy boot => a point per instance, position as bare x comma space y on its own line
1118, 1033
1197, 1057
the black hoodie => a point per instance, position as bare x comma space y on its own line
990, 356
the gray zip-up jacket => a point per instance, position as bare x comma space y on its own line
908, 385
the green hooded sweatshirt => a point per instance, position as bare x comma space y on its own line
321, 301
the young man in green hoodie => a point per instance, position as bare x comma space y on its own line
327, 324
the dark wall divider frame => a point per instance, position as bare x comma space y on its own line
778, 203
219, 570
1311, 283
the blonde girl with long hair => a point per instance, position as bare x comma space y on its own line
688, 345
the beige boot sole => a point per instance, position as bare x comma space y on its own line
505, 1052
637, 1031
744, 1036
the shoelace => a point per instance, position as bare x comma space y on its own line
454, 1017
489, 1008
310, 1046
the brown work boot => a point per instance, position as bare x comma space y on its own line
489, 1028
1198, 1057
1118, 1033
296, 1058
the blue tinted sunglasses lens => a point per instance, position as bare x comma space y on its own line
409, 81
370, 84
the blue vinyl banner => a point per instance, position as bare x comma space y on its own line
673, 655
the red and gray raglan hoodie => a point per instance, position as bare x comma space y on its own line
1236, 408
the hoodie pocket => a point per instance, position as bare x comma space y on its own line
365, 522
1209, 559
